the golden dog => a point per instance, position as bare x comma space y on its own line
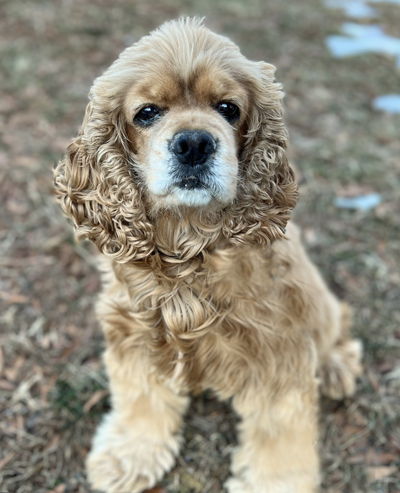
179, 176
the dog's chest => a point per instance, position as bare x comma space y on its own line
219, 331
204, 329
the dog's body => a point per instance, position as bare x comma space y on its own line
180, 177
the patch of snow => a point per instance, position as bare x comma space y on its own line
363, 39
361, 202
389, 103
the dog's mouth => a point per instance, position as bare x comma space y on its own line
196, 185
191, 182
197, 177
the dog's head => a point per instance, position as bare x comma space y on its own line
182, 121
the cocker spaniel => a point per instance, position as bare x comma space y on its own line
179, 176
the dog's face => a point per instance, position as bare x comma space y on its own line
185, 136
181, 122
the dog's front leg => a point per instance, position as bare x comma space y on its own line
278, 443
138, 440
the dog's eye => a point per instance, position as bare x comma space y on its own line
228, 110
147, 115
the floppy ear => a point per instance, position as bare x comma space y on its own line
267, 191
95, 185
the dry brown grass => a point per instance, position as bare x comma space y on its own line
52, 387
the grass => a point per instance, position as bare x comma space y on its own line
52, 385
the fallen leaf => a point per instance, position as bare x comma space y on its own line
52, 445
96, 397
376, 473
12, 298
356, 459
352, 430
60, 488
6, 459
374, 379
156, 490
385, 367
25, 161
46, 387
70, 349
12, 372
6, 385
372, 457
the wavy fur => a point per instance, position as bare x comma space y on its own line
212, 297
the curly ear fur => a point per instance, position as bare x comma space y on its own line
95, 188
267, 192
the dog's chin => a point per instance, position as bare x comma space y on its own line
191, 194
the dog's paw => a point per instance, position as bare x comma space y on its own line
236, 485
340, 371
125, 462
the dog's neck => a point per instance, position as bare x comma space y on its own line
185, 237
179, 272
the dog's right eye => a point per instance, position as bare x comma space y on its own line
147, 115
228, 110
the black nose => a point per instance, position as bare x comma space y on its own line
193, 147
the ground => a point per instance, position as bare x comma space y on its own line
52, 383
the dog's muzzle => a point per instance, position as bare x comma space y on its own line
193, 150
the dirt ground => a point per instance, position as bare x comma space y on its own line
52, 384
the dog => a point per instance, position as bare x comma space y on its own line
179, 176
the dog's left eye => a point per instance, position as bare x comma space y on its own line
228, 110
147, 115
